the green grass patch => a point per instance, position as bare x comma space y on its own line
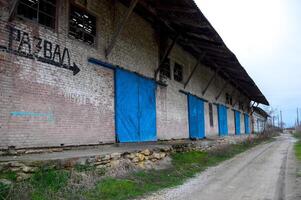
8, 175
185, 165
46, 183
84, 168
298, 145
4, 191
298, 150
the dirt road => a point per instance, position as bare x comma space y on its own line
266, 172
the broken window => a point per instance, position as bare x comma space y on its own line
241, 105
211, 114
228, 99
165, 69
82, 25
40, 11
178, 72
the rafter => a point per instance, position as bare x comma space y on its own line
166, 54
12, 10
120, 27
211, 80
175, 9
192, 72
221, 91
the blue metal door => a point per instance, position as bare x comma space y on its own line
237, 122
147, 110
247, 127
222, 120
135, 112
196, 117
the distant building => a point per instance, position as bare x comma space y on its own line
259, 118
98, 71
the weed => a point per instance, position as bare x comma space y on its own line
85, 183
4, 191
8, 175
298, 145
84, 168
46, 183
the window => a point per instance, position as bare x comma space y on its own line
40, 11
165, 69
178, 72
241, 105
82, 26
228, 99
211, 115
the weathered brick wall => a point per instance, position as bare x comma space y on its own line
45, 105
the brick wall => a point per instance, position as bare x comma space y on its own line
45, 105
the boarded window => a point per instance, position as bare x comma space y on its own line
82, 25
211, 115
40, 11
178, 72
165, 69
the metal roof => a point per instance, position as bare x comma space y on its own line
183, 18
261, 112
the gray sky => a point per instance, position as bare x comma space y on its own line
265, 35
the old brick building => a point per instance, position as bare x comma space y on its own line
90, 72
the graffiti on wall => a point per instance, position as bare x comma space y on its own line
49, 116
22, 44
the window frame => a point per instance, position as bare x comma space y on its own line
229, 99
241, 105
210, 111
163, 75
36, 22
84, 9
182, 71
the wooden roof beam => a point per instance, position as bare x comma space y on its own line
176, 9
221, 91
12, 9
120, 27
201, 36
213, 77
166, 54
192, 72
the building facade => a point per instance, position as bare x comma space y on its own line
259, 120
78, 73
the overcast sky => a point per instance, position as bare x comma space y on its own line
265, 35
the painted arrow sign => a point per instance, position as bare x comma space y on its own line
20, 43
75, 69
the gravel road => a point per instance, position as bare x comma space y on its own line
266, 172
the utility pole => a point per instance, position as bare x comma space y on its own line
281, 123
298, 117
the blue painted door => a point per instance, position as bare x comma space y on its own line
196, 117
237, 122
247, 126
222, 120
135, 111
147, 110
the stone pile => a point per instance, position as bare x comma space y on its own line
144, 159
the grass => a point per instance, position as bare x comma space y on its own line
46, 183
12, 176
185, 165
298, 145
57, 184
